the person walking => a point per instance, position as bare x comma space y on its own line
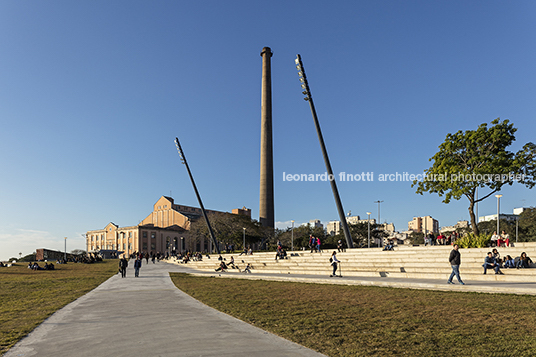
333, 260
123, 264
137, 266
455, 260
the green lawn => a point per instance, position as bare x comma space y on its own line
28, 297
371, 321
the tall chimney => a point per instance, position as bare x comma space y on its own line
266, 209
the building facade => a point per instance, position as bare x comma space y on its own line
424, 225
334, 227
165, 229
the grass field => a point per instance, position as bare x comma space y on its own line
28, 297
371, 321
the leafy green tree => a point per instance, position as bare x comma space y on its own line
478, 159
416, 237
229, 229
301, 236
359, 233
527, 225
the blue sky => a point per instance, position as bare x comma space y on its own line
93, 94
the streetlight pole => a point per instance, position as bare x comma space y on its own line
517, 227
498, 212
244, 238
65, 251
369, 228
379, 222
292, 237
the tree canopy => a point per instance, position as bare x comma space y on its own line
478, 159
229, 229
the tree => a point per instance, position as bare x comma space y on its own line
359, 233
228, 229
527, 225
301, 236
416, 237
478, 159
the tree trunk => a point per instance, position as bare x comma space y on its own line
474, 224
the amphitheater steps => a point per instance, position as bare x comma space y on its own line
404, 262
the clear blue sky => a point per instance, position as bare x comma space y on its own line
93, 93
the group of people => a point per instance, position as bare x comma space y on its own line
123, 264
492, 260
314, 244
36, 266
500, 240
441, 239
280, 252
223, 266
246, 251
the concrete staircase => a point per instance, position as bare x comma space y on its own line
418, 262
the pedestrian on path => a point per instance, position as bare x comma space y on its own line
455, 261
137, 266
333, 260
123, 264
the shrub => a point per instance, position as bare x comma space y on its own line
471, 241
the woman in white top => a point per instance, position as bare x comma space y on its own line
334, 262
494, 239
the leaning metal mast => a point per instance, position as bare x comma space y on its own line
183, 160
309, 98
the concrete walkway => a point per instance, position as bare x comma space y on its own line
148, 316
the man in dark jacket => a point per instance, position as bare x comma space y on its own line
137, 266
123, 264
455, 260
491, 263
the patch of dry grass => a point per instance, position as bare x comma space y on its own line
28, 297
371, 321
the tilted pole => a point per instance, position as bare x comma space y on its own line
309, 98
183, 160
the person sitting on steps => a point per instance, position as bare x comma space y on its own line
223, 267
524, 261
509, 262
491, 263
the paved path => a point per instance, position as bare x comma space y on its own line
148, 316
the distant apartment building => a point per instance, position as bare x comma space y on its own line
458, 225
506, 216
388, 227
315, 223
425, 224
334, 227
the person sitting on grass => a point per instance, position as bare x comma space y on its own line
222, 267
524, 261
491, 263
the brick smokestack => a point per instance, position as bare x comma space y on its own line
266, 200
